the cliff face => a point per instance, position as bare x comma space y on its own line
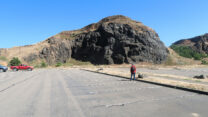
119, 43
198, 43
113, 40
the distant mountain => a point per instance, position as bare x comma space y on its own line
113, 40
198, 43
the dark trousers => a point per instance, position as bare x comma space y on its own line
132, 75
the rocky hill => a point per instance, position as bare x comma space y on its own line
113, 40
198, 43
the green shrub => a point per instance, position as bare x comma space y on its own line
37, 66
188, 52
58, 64
40, 65
43, 64
15, 61
204, 62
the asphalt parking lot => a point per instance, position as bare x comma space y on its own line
77, 93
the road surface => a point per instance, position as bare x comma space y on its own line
77, 93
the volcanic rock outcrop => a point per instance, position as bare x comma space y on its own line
113, 40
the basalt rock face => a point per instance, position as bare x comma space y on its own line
114, 43
198, 43
113, 40
58, 51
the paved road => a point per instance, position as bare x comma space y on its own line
76, 93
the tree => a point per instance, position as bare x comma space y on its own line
15, 61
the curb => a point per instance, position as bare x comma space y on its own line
155, 83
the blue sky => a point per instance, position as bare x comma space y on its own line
24, 22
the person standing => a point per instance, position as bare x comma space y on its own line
133, 71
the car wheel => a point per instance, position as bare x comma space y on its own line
1, 70
29, 69
15, 69
5, 70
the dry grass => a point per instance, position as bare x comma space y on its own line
156, 78
175, 59
3, 63
174, 76
71, 35
75, 63
23, 51
195, 86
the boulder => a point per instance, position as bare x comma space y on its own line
201, 76
141, 75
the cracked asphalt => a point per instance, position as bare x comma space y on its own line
77, 93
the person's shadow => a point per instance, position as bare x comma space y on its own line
123, 80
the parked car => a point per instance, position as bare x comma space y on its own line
3, 68
21, 67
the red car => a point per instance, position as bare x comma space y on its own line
21, 67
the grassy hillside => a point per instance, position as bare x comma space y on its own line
175, 59
188, 52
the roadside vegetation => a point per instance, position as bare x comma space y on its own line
69, 63
59, 64
73, 62
15, 61
204, 62
41, 65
